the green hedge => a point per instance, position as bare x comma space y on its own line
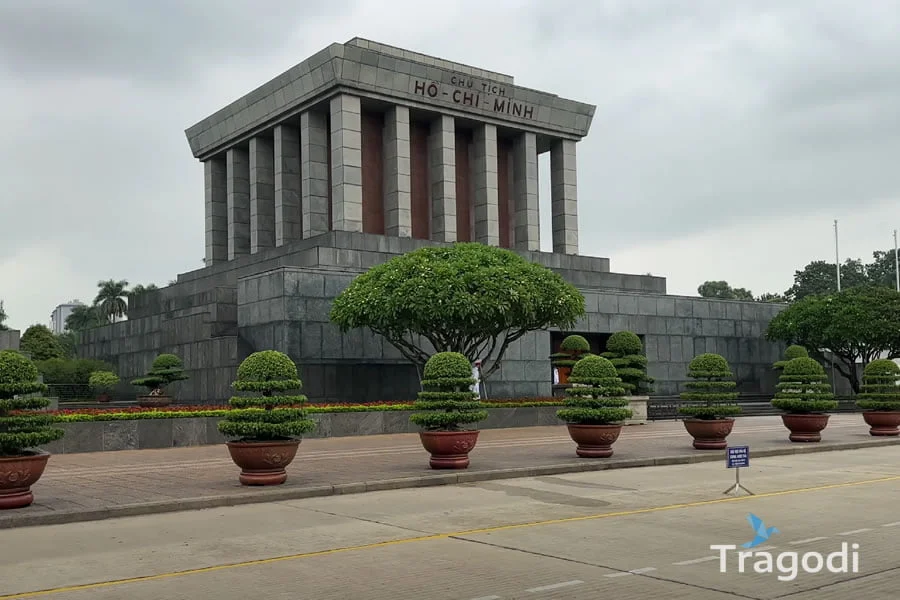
447, 395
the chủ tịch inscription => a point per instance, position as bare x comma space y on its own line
472, 94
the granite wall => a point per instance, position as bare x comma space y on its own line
287, 309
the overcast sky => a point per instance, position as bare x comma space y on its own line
727, 138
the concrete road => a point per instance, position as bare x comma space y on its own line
629, 534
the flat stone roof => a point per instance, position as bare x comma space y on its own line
382, 72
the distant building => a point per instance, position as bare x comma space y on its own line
60, 314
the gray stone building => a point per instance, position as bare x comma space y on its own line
361, 153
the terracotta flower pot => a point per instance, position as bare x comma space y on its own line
17, 475
882, 422
709, 434
594, 441
263, 463
563, 373
154, 401
805, 427
449, 449
104, 397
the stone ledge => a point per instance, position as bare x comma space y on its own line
144, 434
275, 495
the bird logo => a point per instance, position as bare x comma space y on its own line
762, 532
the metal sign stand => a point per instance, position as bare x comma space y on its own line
735, 458
736, 489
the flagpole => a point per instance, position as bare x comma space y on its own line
837, 256
837, 262
896, 262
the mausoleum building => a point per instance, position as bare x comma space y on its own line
365, 151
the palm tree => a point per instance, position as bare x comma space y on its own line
84, 317
3, 318
111, 299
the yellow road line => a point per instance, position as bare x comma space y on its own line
438, 536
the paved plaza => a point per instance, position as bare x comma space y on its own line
89, 486
628, 534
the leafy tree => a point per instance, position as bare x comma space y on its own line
625, 351
447, 394
468, 298
857, 325
803, 389
140, 289
722, 291
598, 398
3, 317
21, 425
111, 299
820, 277
770, 297
711, 389
165, 370
40, 343
882, 270
273, 415
66, 341
880, 391
84, 317
790, 353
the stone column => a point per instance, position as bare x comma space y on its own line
564, 197
442, 178
216, 191
314, 174
262, 194
346, 163
526, 209
397, 183
288, 224
237, 166
484, 175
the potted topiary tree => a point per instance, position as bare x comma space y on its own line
450, 402
624, 350
880, 397
805, 397
595, 407
21, 462
268, 426
712, 396
166, 369
102, 382
572, 348
792, 352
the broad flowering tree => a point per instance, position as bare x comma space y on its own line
467, 298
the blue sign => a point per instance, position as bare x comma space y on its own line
738, 456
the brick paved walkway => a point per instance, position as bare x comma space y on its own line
104, 484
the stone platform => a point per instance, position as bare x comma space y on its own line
92, 486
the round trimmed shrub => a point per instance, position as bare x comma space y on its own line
712, 392
575, 344
625, 351
792, 352
103, 381
879, 390
166, 369
596, 396
803, 388
19, 432
272, 415
447, 395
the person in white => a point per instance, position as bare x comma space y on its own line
476, 375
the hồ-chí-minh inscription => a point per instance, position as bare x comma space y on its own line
473, 98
